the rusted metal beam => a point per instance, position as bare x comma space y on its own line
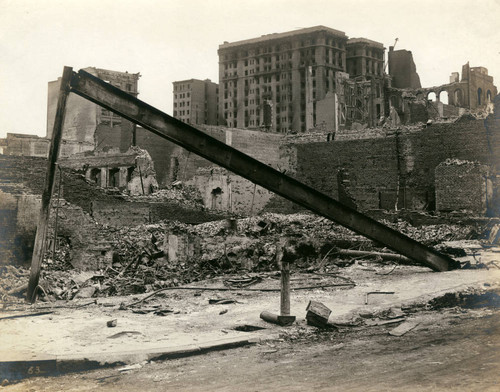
43, 219
190, 138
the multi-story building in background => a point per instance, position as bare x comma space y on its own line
274, 81
365, 58
195, 101
361, 96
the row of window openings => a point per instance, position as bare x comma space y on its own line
182, 104
368, 53
113, 177
268, 79
304, 55
373, 68
128, 86
282, 67
181, 112
270, 49
183, 95
181, 87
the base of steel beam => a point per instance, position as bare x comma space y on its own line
284, 321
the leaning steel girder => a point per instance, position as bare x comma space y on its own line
190, 138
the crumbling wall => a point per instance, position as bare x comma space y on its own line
118, 214
462, 185
372, 167
399, 166
21, 185
18, 218
402, 69
223, 191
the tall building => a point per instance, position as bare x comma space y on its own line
273, 82
361, 98
365, 58
195, 101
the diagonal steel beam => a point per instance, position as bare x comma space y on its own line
190, 138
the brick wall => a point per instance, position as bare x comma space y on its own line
461, 185
408, 158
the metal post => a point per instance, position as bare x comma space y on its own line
43, 219
285, 288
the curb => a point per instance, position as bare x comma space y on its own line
51, 365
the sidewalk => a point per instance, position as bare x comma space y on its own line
72, 339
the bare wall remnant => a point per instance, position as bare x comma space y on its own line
463, 186
80, 131
402, 69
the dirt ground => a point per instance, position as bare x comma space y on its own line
451, 349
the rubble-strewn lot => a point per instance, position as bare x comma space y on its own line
145, 258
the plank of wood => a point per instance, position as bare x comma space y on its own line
400, 330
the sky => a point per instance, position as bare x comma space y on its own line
169, 40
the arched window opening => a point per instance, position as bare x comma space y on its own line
488, 96
431, 96
443, 97
479, 96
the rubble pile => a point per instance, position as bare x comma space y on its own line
432, 235
13, 281
142, 259
188, 196
149, 257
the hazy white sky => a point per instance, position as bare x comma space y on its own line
169, 40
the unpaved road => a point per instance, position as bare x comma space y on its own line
451, 349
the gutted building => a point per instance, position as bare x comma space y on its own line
273, 82
475, 89
195, 101
84, 120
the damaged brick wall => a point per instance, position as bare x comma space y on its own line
462, 186
402, 164
371, 163
21, 185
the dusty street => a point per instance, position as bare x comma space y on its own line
451, 349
